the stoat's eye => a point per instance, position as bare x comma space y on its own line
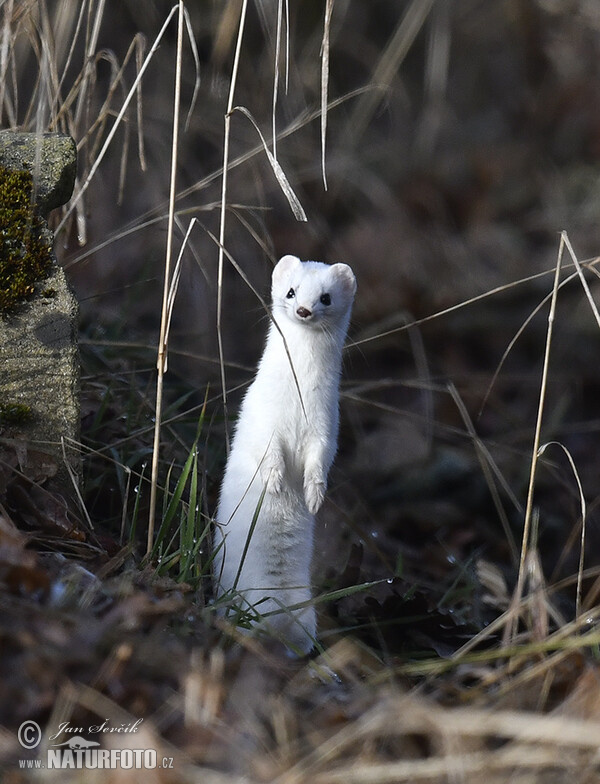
291, 294
325, 299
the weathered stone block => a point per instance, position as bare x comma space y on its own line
39, 364
51, 158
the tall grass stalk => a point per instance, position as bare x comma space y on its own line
325, 83
276, 64
164, 326
221, 258
511, 628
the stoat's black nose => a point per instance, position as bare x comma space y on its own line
304, 312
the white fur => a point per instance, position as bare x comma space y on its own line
283, 448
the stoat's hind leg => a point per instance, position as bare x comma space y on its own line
294, 628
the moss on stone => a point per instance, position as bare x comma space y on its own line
14, 414
25, 254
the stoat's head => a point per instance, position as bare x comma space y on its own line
313, 293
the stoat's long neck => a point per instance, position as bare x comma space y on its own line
315, 356
318, 344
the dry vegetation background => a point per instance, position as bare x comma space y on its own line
463, 137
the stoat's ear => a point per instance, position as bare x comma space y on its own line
283, 266
345, 277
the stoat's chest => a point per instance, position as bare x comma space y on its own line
296, 400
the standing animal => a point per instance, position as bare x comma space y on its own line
281, 452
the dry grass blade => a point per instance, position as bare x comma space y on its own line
583, 509
47, 79
538, 617
89, 61
139, 59
516, 337
594, 308
586, 288
511, 628
488, 467
194, 48
5, 58
204, 689
75, 482
458, 729
284, 184
325, 83
132, 92
568, 637
423, 372
174, 283
436, 77
449, 767
73, 38
592, 263
157, 213
397, 49
276, 68
164, 326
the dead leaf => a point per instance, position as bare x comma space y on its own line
19, 568
41, 509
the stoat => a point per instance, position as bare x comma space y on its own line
281, 452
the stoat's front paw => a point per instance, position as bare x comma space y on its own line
272, 476
314, 493
275, 481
